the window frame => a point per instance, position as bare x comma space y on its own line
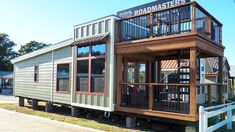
36, 74
90, 58
69, 81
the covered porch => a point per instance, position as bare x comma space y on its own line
143, 89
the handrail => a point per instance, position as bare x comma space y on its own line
186, 4
170, 73
144, 14
206, 84
158, 84
218, 106
205, 114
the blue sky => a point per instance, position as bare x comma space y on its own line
51, 21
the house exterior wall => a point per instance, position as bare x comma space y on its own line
62, 56
45, 89
99, 101
201, 97
24, 78
214, 95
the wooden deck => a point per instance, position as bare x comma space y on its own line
148, 38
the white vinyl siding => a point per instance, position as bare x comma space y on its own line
24, 78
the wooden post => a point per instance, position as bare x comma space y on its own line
193, 82
118, 79
221, 34
119, 31
150, 86
151, 25
193, 18
159, 71
220, 81
158, 27
209, 27
209, 94
150, 96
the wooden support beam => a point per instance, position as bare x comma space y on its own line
193, 17
118, 79
221, 35
159, 71
209, 94
158, 27
193, 82
150, 97
119, 31
150, 86
151, 25
220, 81
209, 26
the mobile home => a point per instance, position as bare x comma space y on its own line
113, 64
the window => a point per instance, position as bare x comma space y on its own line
62, 77
91, 68
83, 74
83, 51
36, 72
97, 75
98, 50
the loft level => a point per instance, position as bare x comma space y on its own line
183, 19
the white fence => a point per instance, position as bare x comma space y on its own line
208, 112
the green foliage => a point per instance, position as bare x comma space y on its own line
6, 52
31, 46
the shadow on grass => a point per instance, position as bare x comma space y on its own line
114, 120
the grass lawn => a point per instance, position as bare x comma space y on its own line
105, 125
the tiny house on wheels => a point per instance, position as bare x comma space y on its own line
114, 64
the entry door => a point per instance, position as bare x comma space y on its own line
135, 95
136, 72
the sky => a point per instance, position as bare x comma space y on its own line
52, 21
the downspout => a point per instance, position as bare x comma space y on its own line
111, 65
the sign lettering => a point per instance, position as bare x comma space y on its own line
150, 7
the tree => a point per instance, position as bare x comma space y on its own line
6, 52
31, 46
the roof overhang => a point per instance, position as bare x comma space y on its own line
43, 50
101, 38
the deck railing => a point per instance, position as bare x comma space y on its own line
155, 96
176, 20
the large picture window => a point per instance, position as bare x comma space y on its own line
63, 77
91, 68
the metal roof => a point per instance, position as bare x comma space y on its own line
44, 50
173, 64
102, 38
6, 74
